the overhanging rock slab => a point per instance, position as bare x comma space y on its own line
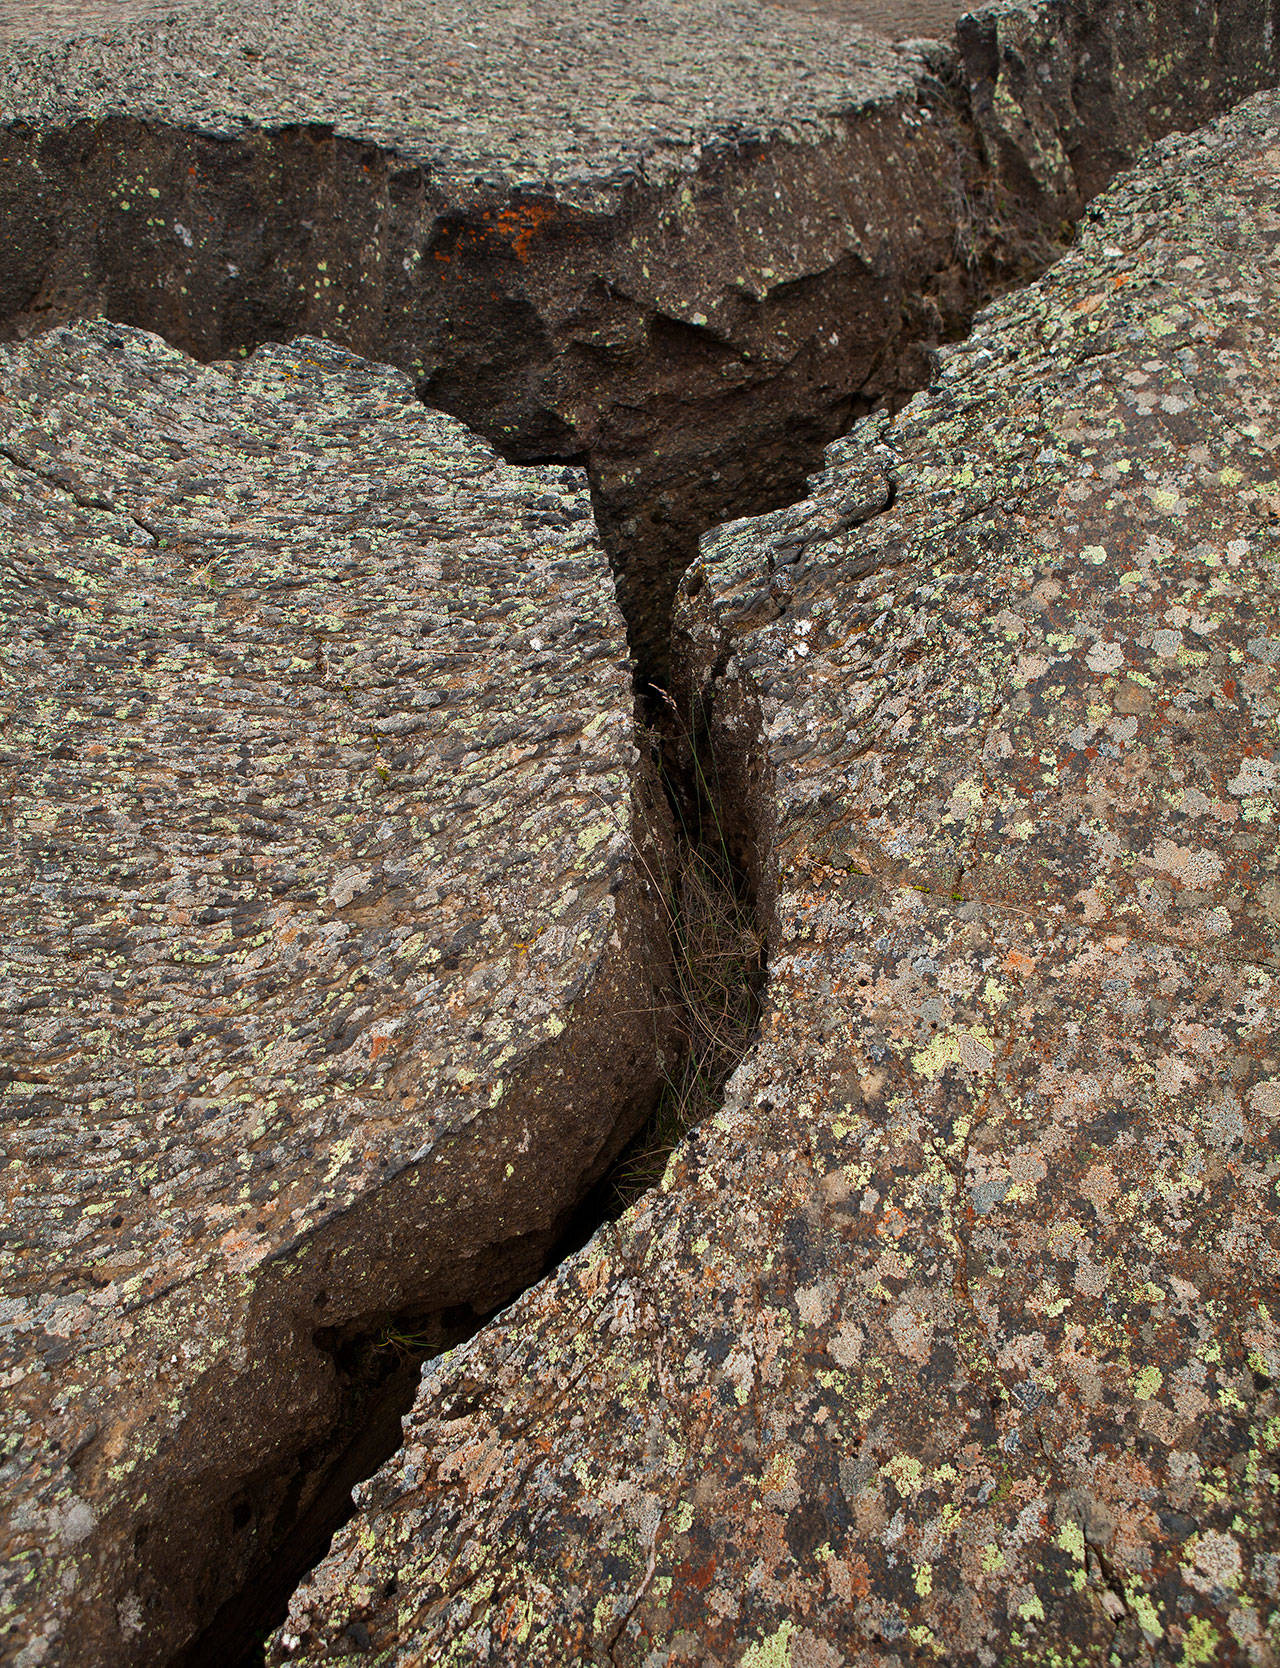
331, 958
954, 1335
689, 240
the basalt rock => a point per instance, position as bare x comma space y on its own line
686, 241
953, 1336
332, 966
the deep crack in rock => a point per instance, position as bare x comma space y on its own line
693, 314
688, 407
968, 1281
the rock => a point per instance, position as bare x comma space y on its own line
687, 240
953, 1335
332, 959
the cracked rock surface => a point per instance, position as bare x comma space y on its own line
27, 20
328, 969
531, 92
685, 240
953, 1335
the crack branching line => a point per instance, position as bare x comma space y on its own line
633, 1605
82, 499
850, 514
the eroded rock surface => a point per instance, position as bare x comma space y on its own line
953, 1336
331, 964
688, 240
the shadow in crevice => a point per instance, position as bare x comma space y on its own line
718, 953
719, 943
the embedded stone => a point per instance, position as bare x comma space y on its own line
332, 960
953, 1335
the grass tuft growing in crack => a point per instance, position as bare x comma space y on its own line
718, 960
718, 952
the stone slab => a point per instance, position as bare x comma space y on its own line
36, 20
529, 92
685, 240
329, 944
953, 1336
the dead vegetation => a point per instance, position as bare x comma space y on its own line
718, 955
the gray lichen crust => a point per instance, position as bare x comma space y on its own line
687, 241
327, 943
530, 92
953, 1337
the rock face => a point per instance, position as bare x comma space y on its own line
686, 240
953, 1336
331, 958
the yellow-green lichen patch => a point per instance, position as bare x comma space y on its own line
944, 1324
312, 991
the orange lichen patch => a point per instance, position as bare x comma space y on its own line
519, 226
698, 1577
893, 1222
509, 1619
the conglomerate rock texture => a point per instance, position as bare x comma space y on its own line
29, 20
329, 962
953, 1336
684, 240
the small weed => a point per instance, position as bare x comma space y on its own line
407, 1346
718, 954
717, 944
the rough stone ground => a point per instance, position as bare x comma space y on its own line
529, 92
28, 20
686, 241
953, 1337
329, 946
25, 20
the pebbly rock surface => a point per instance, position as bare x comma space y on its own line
28, 20
688, 240
953, 1336
331, 966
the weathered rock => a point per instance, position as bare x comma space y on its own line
953, 1336
688, 240
330, 949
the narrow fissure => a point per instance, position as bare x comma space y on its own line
380, 1370
654, 493
718, 936
718, 950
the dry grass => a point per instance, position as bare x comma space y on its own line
718, 953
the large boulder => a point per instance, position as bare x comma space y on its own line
953, 1336
332, 953
689, 240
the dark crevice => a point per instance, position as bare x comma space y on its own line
719, 943
718, 940
379, 1375
679, 426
